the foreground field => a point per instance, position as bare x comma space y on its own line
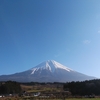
49, 99
83, 99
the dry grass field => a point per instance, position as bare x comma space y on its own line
40, 88
28, 98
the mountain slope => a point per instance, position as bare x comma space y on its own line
49, 71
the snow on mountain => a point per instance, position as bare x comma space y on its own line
48, 71
50, 65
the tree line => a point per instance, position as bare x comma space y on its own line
10, 87
91, 87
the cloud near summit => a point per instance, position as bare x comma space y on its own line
86, 41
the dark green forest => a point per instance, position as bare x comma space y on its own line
9, 87
91, 87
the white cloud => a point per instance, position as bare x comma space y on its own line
98, 31
86, 41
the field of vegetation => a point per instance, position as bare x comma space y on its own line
86, 90
30, 98
41, 87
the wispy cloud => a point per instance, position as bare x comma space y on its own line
57, 55
62, 53
86, 41
99, 31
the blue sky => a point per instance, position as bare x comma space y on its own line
33, 31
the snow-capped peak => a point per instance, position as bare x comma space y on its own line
58, 65
50, 65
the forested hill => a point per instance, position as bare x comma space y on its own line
9, 87
91, 87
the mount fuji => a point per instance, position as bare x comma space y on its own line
48, 71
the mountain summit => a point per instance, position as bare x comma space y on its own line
48, 71
51, 66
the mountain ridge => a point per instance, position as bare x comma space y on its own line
47, 71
